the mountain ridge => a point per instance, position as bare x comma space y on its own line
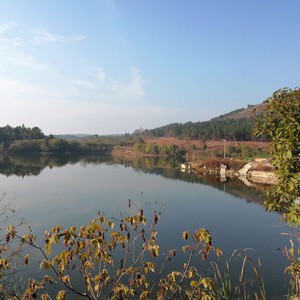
235, 125
251, 111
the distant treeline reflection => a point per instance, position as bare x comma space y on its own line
27, 165
169, 168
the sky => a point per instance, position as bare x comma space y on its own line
110, 67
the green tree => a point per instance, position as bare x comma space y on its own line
148, 148
281, 124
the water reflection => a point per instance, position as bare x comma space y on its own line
28, 165
70, 190
22, 166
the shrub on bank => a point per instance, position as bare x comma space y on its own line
154, 149
26, 146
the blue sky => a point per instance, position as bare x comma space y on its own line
114, 66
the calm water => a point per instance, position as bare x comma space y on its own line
70, 191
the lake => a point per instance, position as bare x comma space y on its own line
71, 190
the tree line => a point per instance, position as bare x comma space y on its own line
230, 129
164, 150
23, 139
10, 134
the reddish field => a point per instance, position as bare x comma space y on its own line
211, 145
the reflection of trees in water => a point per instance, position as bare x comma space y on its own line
166, 167
10, 249
147, 163
170, 169
34, 165
7, 214
232, 186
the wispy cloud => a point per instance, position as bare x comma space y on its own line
54, 111
6, 26
16, 42
34, 105
112, 88
12, 50
133, 89
42, 37
4, 40
11, 55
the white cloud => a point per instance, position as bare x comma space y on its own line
136, 86
13, 56
42, 37
112, 88
6, 26
133, 89
89, 104
15, 42
4, 40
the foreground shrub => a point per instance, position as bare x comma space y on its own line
119, 259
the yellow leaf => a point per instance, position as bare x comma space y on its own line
151, 266
185, 235
48, 248
26, 259
61, 295
65, 279
111, 224
46, 264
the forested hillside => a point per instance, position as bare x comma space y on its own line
236, 125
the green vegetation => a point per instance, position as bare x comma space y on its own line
8, 135
236, 125
281, 124
114, 140
245, 152
233, 150
163, 150
216, 129
56, 146
22, 140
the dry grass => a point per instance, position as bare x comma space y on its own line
212, 163
263, 167
188, 144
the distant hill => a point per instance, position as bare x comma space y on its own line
236, 125
71, 136
250, 112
